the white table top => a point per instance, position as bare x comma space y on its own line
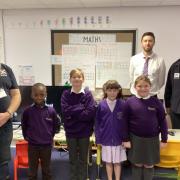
176, 136
17, 135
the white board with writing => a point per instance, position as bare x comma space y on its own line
112, 62
100, 62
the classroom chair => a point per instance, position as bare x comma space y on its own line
170, 156
21, 157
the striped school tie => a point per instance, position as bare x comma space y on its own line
145, 70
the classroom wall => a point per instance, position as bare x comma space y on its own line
28, 39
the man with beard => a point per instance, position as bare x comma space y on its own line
148, 63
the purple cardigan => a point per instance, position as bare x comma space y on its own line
108, 125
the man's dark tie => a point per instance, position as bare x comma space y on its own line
145, 70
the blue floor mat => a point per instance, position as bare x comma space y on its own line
60, 169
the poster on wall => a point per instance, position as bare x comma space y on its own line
79, 50
79, 56
87, 66
26, 76
89, 38
56, 59
61, 22
112, 62
100, 62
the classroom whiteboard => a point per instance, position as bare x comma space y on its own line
113, 63
101, 55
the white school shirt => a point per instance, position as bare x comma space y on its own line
156, 71
81, 91
111, 104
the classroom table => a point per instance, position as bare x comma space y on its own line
59, 139
175, 137
170, 155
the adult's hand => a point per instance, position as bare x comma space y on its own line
4, 117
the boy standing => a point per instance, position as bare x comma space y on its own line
78, 108
39, 124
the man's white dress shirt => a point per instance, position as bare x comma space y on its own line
156, 71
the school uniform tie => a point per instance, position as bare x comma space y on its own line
145, 70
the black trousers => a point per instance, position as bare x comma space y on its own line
78, 155
6, 134
42, 155
175, 118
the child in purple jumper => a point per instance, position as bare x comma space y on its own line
39, 124
144, 119
108, 128
78, 109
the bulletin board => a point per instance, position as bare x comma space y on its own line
102, 54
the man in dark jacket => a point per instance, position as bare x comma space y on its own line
172, 94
